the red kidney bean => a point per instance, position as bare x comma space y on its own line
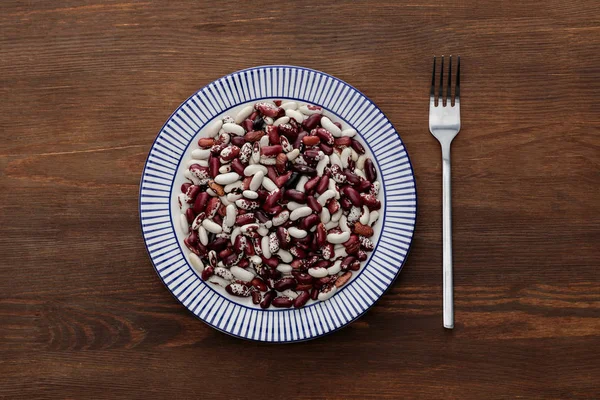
322, 264
353, 195
314, 204
226, 252
326, 149
370, 201
256, 297
190, 215
312, 121
284, 237
301, 299
271, 151
343, 141
281, 180
311, 184
261, 216
192, 192
271, 173
325, 136
244, 263
185, 187
333, 206
301, 288
357, 146
240, 244
289, 131
262, 195
273, 134
284, 284
250, 246
218, 219
207, 272
346, 203
352, 245
354, 266
361, 255
267, 109
245, 219
297, 252
314, 294
272, 262
351, 177
321, 235
347, 261
363, 186
311, 140
282, 302
311, 156
267, 299
239, 290
248, 124
304, 278
297, 264
238, 141
272, 199
370, 171
213, 164
295, 195
193, 238
218, 244
299, 139
304, 169
309, 221
259, 284
238, 167
323, 184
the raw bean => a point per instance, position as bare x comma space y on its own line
322, 164
231, 198
281, 218
300, 212
325, 215
259, 284
290, 293
373, 217
370, 170
185, 227
255, 159
331, 127
256, 297
217, 280
314, 204
350, 132
301, 186
284, 284
196, 263
225, 179
238, 167
335, 160
201, 154
312, 121
335, 268
267, 299
289, 105
233, 128
248, 124
323, 184
353, 196
254, 136
242, 274
297, 233
269, 184
311, 140
336, 238
292, 155
211, 226
370, 201
298, 252
231, 215
282, 302
346, 262
326, 196
206, 143
364, 217
314, 294
363, 230
302, 299
213, 129
250, 194
317, 272
280, 121
327, 292
358, 148
284, 268
247, 204
296, 115
309, 109
264, 244
243, 114
344, 225
202, 235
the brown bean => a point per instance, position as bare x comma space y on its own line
311, 140
343, 279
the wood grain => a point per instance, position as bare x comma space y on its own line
86, 85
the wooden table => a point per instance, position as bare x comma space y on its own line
86, 85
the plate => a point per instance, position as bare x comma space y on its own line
159, 211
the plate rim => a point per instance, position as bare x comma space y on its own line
215, 82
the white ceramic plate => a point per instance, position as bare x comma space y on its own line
159, 211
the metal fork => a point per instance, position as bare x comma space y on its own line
444, 124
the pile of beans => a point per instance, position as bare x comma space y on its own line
279, 204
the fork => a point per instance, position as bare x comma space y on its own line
444, 124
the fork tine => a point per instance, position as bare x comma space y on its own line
457, 88
441, 97
449, 89
432, 92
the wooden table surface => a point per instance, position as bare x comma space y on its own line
85, 87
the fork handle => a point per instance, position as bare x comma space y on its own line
447, 237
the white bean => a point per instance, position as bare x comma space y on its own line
344, 225
300, 212
256, 260
219, 281
268, 120
264, 141
211, 226
230, 214
183, 222
256, 181
328, 194
360, 173
213, 129
331, 225
233, 197
241, 273
307, 111
192, 161
335, 159
364, 218
233, 128
297, 115
285, 269
292, 205
285, 256
282, 120
183, 204
202, 235
292, 155
290, 105
223, 169
339, 252
301, 182
335, 238
350, 132
345, 157
263, 231
317, 272
232, 186
281, 218
330, 126
297, 233
327, 295
269, 184
289, 293
196, 263
268, 160
250, 194
226, 179
321, 165
253, 169
264, 245
201, 154
325, 215
334, 269
360, 163
354, 155
243, 114
337, 215
236, 232
373, 217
